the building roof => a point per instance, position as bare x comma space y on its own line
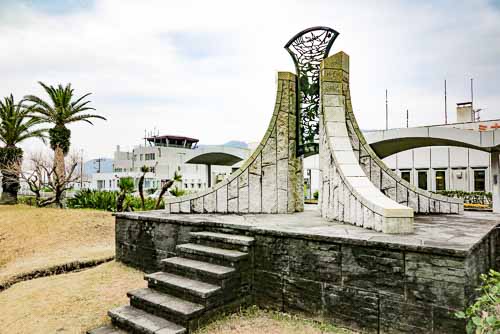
153, 138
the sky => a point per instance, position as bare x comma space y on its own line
207, 69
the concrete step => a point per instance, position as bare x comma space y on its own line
182, 287
198, 270
107, 330
215, 255
223, 240
165, 305
139, 321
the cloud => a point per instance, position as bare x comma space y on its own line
207, 69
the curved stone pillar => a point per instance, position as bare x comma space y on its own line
385, 179
270, 180
347, 194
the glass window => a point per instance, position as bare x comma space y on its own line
479, 180
406, 175
440, 180
422, 180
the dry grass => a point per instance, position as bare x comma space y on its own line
68, 303
254, 320
34, 239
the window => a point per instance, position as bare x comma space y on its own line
440, 180
422, 180
406, 175
100, 184
142, 155
109, 183
149, 156
479, 180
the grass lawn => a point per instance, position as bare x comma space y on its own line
34, 240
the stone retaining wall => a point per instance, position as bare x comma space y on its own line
370, 286
271, 180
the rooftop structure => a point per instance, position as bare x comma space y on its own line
172, 141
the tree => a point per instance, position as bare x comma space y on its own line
17, 123
61, 111
40, 175
126, 185
169, 183
144, 170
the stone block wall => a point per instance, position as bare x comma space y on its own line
271, 180
373, 287
347, 194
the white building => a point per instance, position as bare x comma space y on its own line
434, 168
165, 155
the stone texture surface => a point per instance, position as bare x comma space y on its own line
349, 194
370, 281
271, 180
335, 82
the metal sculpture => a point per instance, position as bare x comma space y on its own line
308, 48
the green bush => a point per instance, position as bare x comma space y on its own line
106, 200
474, 197
93, 199
316, 195
484, 315
27, 200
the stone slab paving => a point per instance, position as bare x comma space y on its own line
444, 234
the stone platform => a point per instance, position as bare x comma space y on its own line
359, 278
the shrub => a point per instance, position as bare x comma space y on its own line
93, 199
475, 197
107, 200
316, 195
484, 315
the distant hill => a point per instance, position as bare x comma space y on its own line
236, 143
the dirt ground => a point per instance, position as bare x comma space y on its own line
34, 239
67, 303
254, 320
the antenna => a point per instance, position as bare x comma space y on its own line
386, 112
472, 99
445, 105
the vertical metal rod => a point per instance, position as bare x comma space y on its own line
445, 105
386, 112
472, 99
406, 118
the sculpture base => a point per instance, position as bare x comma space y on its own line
348, 275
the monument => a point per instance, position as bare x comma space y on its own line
368, 259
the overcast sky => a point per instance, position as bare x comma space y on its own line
207, 69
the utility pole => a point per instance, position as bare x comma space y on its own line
81, 171
407, 118
445, 105
386, 112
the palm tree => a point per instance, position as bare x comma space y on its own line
17, 123
60, 111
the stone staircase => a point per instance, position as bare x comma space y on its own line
211, 275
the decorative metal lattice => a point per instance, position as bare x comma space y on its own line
308, 48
